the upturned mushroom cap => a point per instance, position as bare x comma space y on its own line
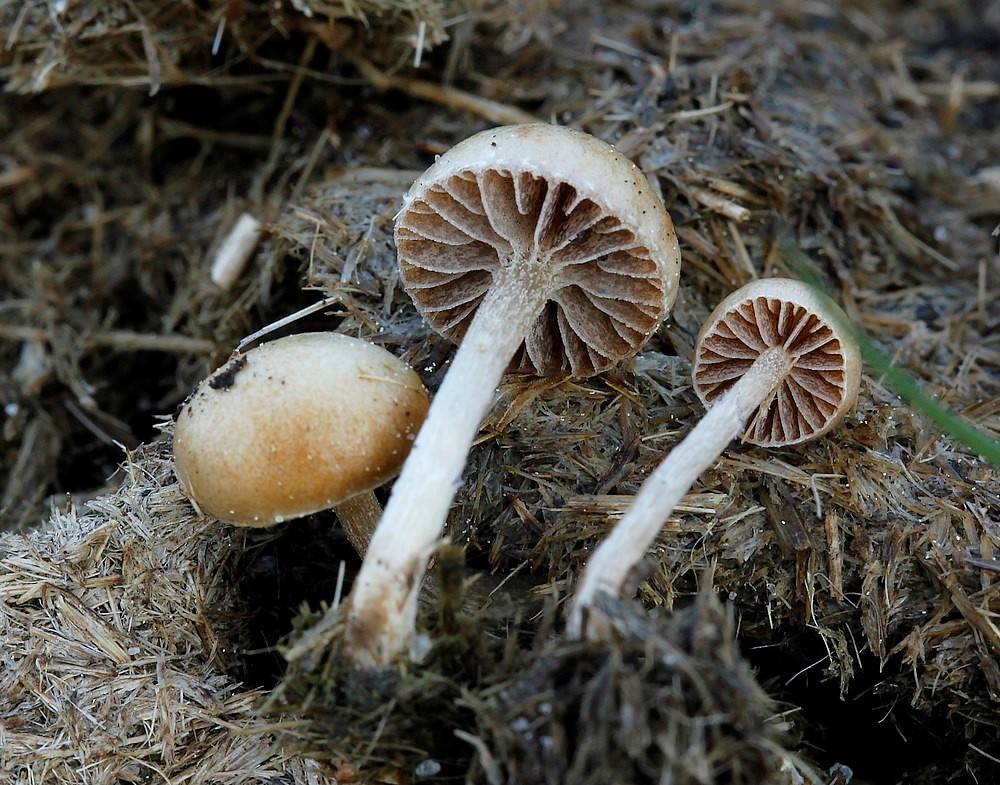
565, 198
822, 384
295, 426
775, 360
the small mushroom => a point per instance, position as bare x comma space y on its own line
297, 425
772, 362
542, 249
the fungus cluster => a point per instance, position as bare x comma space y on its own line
546, 252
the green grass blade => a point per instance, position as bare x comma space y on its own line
956, 426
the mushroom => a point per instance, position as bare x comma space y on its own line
297, 425
543, 250
774, 362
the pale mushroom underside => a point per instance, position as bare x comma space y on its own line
606, 292
808, 399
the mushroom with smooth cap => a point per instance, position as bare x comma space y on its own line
772, 362
298, 425
544, 250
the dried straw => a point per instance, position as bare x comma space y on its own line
119, 625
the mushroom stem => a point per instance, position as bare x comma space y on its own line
609, 567
359, 516
382, 609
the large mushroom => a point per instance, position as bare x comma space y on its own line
298, 425
542, 249
773, 362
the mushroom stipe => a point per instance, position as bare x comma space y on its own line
771, 362
540, 246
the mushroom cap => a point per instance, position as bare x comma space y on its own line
822, 385
295, 426
588, 215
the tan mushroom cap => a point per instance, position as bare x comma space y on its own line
603, 241
295, 426
822, 384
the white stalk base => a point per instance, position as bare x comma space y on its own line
382, 607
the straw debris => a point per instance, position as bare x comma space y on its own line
668, 699
120, 622
148, 45
862, 568
395, 719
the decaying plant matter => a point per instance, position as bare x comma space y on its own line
664, 698
121, 624
865, 133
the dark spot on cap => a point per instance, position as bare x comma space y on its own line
226, 377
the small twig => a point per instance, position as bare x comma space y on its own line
150, 49
372, 175
293, 90
491, 769
969, 89
735, 190
984, 753
906, 242
17, 176
693, 114
311, 160
834, 553
418, 48
309, 309
815, 490
116, 339
177, 129
742, 254
717, 203
451, 97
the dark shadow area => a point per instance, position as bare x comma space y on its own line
882, 742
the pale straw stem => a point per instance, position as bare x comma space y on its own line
383, 603
609, 568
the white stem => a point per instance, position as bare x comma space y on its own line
609, 566
382, 608
359, 516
